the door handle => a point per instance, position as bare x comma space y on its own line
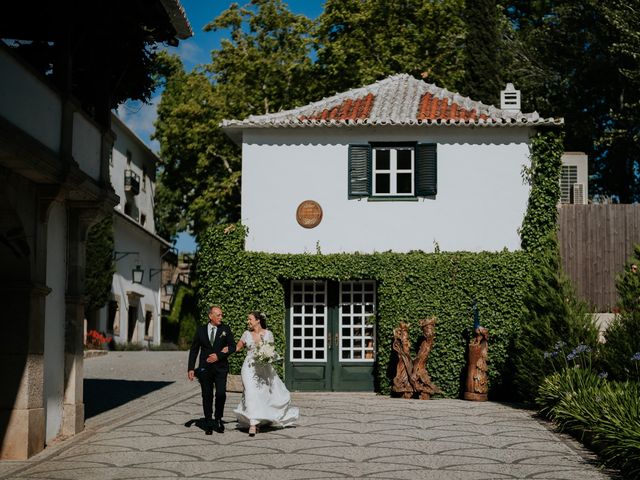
336, 339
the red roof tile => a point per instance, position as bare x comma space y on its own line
350, 109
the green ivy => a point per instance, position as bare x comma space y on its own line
544, 177
410, 286
100, 267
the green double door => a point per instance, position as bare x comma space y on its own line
331, 335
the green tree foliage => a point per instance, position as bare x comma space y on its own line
540, 220
360, 42
572, 59
263, 67
181, 321
623, 334
99, 267
552, 313
484, 59
199, 178
553, 316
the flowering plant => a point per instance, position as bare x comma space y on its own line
95, 340
265, 352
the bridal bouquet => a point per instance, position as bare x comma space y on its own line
266, 353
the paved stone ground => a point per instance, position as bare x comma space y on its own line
339, 435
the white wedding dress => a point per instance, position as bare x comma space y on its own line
265, 400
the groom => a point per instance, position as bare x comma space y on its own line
209, 341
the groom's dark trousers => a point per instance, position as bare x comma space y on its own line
212, 375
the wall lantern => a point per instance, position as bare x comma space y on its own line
169, 288
137, 274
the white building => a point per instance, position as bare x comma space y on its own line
134, 311
398, 165
61, 66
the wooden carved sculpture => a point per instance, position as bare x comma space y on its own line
421, 379
477, 371
402, 380
411, 375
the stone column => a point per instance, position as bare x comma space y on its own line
22, 414
80, 216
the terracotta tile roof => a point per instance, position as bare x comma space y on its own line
350, 109
396, 100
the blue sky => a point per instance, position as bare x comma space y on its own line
195, 51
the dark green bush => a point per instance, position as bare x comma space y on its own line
605, 413
623, 334
552, 316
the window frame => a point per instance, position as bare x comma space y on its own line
393, 171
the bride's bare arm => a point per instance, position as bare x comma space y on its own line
240, 345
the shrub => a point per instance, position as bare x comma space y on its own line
605, 413
553, 316
623, 334
618, 428
129, 346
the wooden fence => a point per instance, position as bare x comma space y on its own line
595, 243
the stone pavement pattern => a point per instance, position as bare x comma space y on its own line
339, 436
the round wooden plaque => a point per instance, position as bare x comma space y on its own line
309, 214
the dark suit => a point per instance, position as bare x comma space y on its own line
210, 374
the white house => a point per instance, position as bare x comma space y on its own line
397, 165
134, 311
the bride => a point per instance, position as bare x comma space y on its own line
265, 400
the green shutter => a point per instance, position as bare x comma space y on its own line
426, 169
359, 170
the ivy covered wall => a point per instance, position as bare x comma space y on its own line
410, 287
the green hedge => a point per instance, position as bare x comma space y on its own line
411, 286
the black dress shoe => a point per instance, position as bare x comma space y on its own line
219, 426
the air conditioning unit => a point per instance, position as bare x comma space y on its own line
578, 194
574, 178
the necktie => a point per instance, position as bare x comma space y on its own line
213, 335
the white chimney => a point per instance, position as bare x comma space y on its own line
510, 98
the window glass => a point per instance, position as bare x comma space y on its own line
404, 159
383, 159
383, 183
404, 183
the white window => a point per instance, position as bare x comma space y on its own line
308, 321
393, 171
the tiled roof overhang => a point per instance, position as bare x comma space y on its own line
397, 100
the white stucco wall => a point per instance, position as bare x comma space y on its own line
480, 203
87, 144
131, 238
141, 157
29, 103
54, 327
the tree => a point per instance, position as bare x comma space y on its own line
483, 62
263, 67
360, 42
571, 60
